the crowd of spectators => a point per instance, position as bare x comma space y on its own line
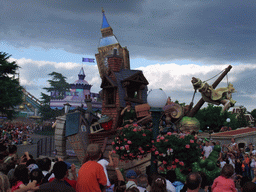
16, 133
26, 173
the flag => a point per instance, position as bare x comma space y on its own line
90, 60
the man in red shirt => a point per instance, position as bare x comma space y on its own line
91, 175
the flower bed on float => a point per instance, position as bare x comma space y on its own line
132, 142
176, 151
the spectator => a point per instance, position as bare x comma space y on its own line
36, 175
224, 181
12, 154
158, 184
142, 182
58, 185
133, 189
169, 184
131, 178
91, 175
193, 182
207, 149
171, 176
249, 187
105, 163
20, 177
45, 165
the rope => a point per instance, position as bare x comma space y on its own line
227, 79
193, 96
215, 75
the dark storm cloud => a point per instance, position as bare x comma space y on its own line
207, 31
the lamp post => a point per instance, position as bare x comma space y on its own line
67, 107
156, 100
228, 121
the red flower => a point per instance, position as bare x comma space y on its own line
195, 137
174, 166
125, 139
113, 151
144, 135
129, 142
166, 140
192, 141
142, 151
176, 160
152, 141
117, 148
187, 146
113, 143
164, 162
156, 153
162, 137
169, 167
169, 133
135, 125
135, 130
181, 163
182, 137
161, 168
127, 147
158, 140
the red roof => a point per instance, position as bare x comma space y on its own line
235, 132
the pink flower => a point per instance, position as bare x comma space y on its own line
113, 143
122, 147
174, 166
181, 163
135, 125
135, 130
152, 141
176, 160
156, 153
161, 154
158, 140
169, 133
140, 148
187, 146
129, 142
114, 151
126, 126
162, 137
182, 137
142, 151
192, 141
125, 139
166, 140
164, 162
169, 167
127, 147
161, 168
144, 135
170, 149
117, 148
195, 137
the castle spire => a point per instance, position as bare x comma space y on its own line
81, 74
104, 20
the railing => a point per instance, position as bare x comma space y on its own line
46, 147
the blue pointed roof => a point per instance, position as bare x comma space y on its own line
104, 21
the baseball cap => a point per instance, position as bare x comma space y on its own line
131, 174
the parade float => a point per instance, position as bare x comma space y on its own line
139, 134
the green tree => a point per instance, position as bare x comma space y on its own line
253, 113
241, 119
59, 86
10, 89
212, 117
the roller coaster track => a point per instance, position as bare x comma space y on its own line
32, 99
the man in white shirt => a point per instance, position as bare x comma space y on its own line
207, 149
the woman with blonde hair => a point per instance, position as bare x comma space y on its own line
4, 183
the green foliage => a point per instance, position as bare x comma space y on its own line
253, 113
10, 89
176, 151
132, 142
58, 85
242, 122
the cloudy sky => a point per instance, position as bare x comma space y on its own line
169, 40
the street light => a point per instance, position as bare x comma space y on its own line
156, 100
228, 121
67, 107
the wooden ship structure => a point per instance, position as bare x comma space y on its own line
119, 85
